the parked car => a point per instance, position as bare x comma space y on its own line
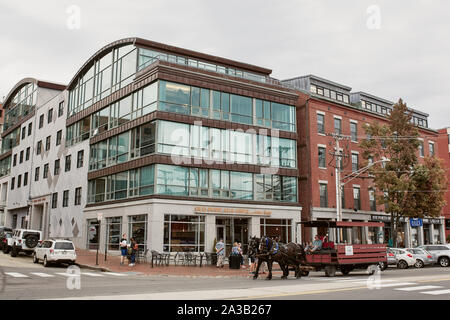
423, 257
3, 228
391, 259
440, 253
25, 240
403, 257
5, 241
54, 250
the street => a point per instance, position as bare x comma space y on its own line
24, 280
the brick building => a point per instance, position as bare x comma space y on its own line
444, 154
333, 108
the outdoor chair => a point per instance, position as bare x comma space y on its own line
142, 256
157, 258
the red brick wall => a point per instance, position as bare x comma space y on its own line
444, 154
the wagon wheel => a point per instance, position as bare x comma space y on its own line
304, 273
345, 270
330, 271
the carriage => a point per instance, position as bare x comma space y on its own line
344, 256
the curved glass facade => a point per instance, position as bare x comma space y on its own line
20, 106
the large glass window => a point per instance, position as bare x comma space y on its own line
173, 138
241, 185
323, 192
322, 157
281, 228
241, 109
172, 180
114, 232
137, 229
357, 198
184, 233
320, 123
174, 97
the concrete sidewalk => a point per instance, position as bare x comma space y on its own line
87, 259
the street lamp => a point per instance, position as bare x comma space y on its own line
340, 183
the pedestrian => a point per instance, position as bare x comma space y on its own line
241, 253
220, 250
134, 248
123, 249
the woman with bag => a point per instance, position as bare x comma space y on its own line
123, 249
134, 248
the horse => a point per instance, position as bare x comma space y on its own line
254, 251
290, 254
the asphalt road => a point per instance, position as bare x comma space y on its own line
21, 279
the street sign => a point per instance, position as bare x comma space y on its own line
415, 222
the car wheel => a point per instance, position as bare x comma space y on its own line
444, 261
402, 264
419, 264
46, 263
35, 259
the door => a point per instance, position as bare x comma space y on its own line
221, 234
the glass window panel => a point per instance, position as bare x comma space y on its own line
172, 180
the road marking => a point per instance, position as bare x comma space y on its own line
67, 274
42, 275
116, 274
16, 275
387, 285
418, 288
92, 274
437, 292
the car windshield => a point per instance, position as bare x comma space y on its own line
64, 246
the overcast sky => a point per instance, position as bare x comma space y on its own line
390, 49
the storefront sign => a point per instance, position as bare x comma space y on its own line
386, 218
348, 250
432, 221
219, 210
415, 222
40, 200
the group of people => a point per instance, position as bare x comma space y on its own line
236, 250
316, 245
128, 250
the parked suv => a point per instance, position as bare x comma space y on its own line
59, 251
6, 241
440, 253
24, 240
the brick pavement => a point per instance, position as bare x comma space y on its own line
87, 258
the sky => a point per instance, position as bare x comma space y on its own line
391, 49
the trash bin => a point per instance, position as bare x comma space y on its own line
235, 261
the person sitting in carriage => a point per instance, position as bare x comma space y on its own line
316, 245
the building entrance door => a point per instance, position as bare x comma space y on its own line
232, 230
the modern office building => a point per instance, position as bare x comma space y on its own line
333, 108
178, 148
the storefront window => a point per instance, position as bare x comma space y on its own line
281, 228
184, 233
414, 237
114, 232
426, 234
137, 226
437, 234
93, 233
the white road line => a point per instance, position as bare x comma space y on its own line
67, 274
115, 274
92, 274
437, 292
16, 275
386, 285
42, 275
418, 288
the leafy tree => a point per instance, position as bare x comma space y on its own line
402, 181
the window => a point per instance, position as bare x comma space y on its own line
431, 146
29, 128
80, 158
15, 160
39, 147
354, 131
421, 152
36, 174
281, 228
78, 196
61, 109
25, 179
13, 182
337, 126
113, 232
24, 131
45, 175
65, 198
19, 181
372, 200
41, 121
355, 165
323, 192
184, 233
54, 200
241, 185
137, 228
50, 116
58, 137
320, 123
56, 169
27, 154
21, 157
68, 163
322, 157
47, 143
174, 97
357, 198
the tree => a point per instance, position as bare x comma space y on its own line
407, 188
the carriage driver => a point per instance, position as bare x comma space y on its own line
317, 245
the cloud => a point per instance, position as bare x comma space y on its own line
406, 57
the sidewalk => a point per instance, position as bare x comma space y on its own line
87, 259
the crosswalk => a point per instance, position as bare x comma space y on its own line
62, 274
396, 285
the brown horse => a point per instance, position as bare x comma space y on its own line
266, 249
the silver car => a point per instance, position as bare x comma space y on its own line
423, 257
440, 253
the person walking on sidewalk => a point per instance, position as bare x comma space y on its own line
134, 248
220, 250
123, 249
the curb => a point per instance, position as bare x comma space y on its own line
86, 266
